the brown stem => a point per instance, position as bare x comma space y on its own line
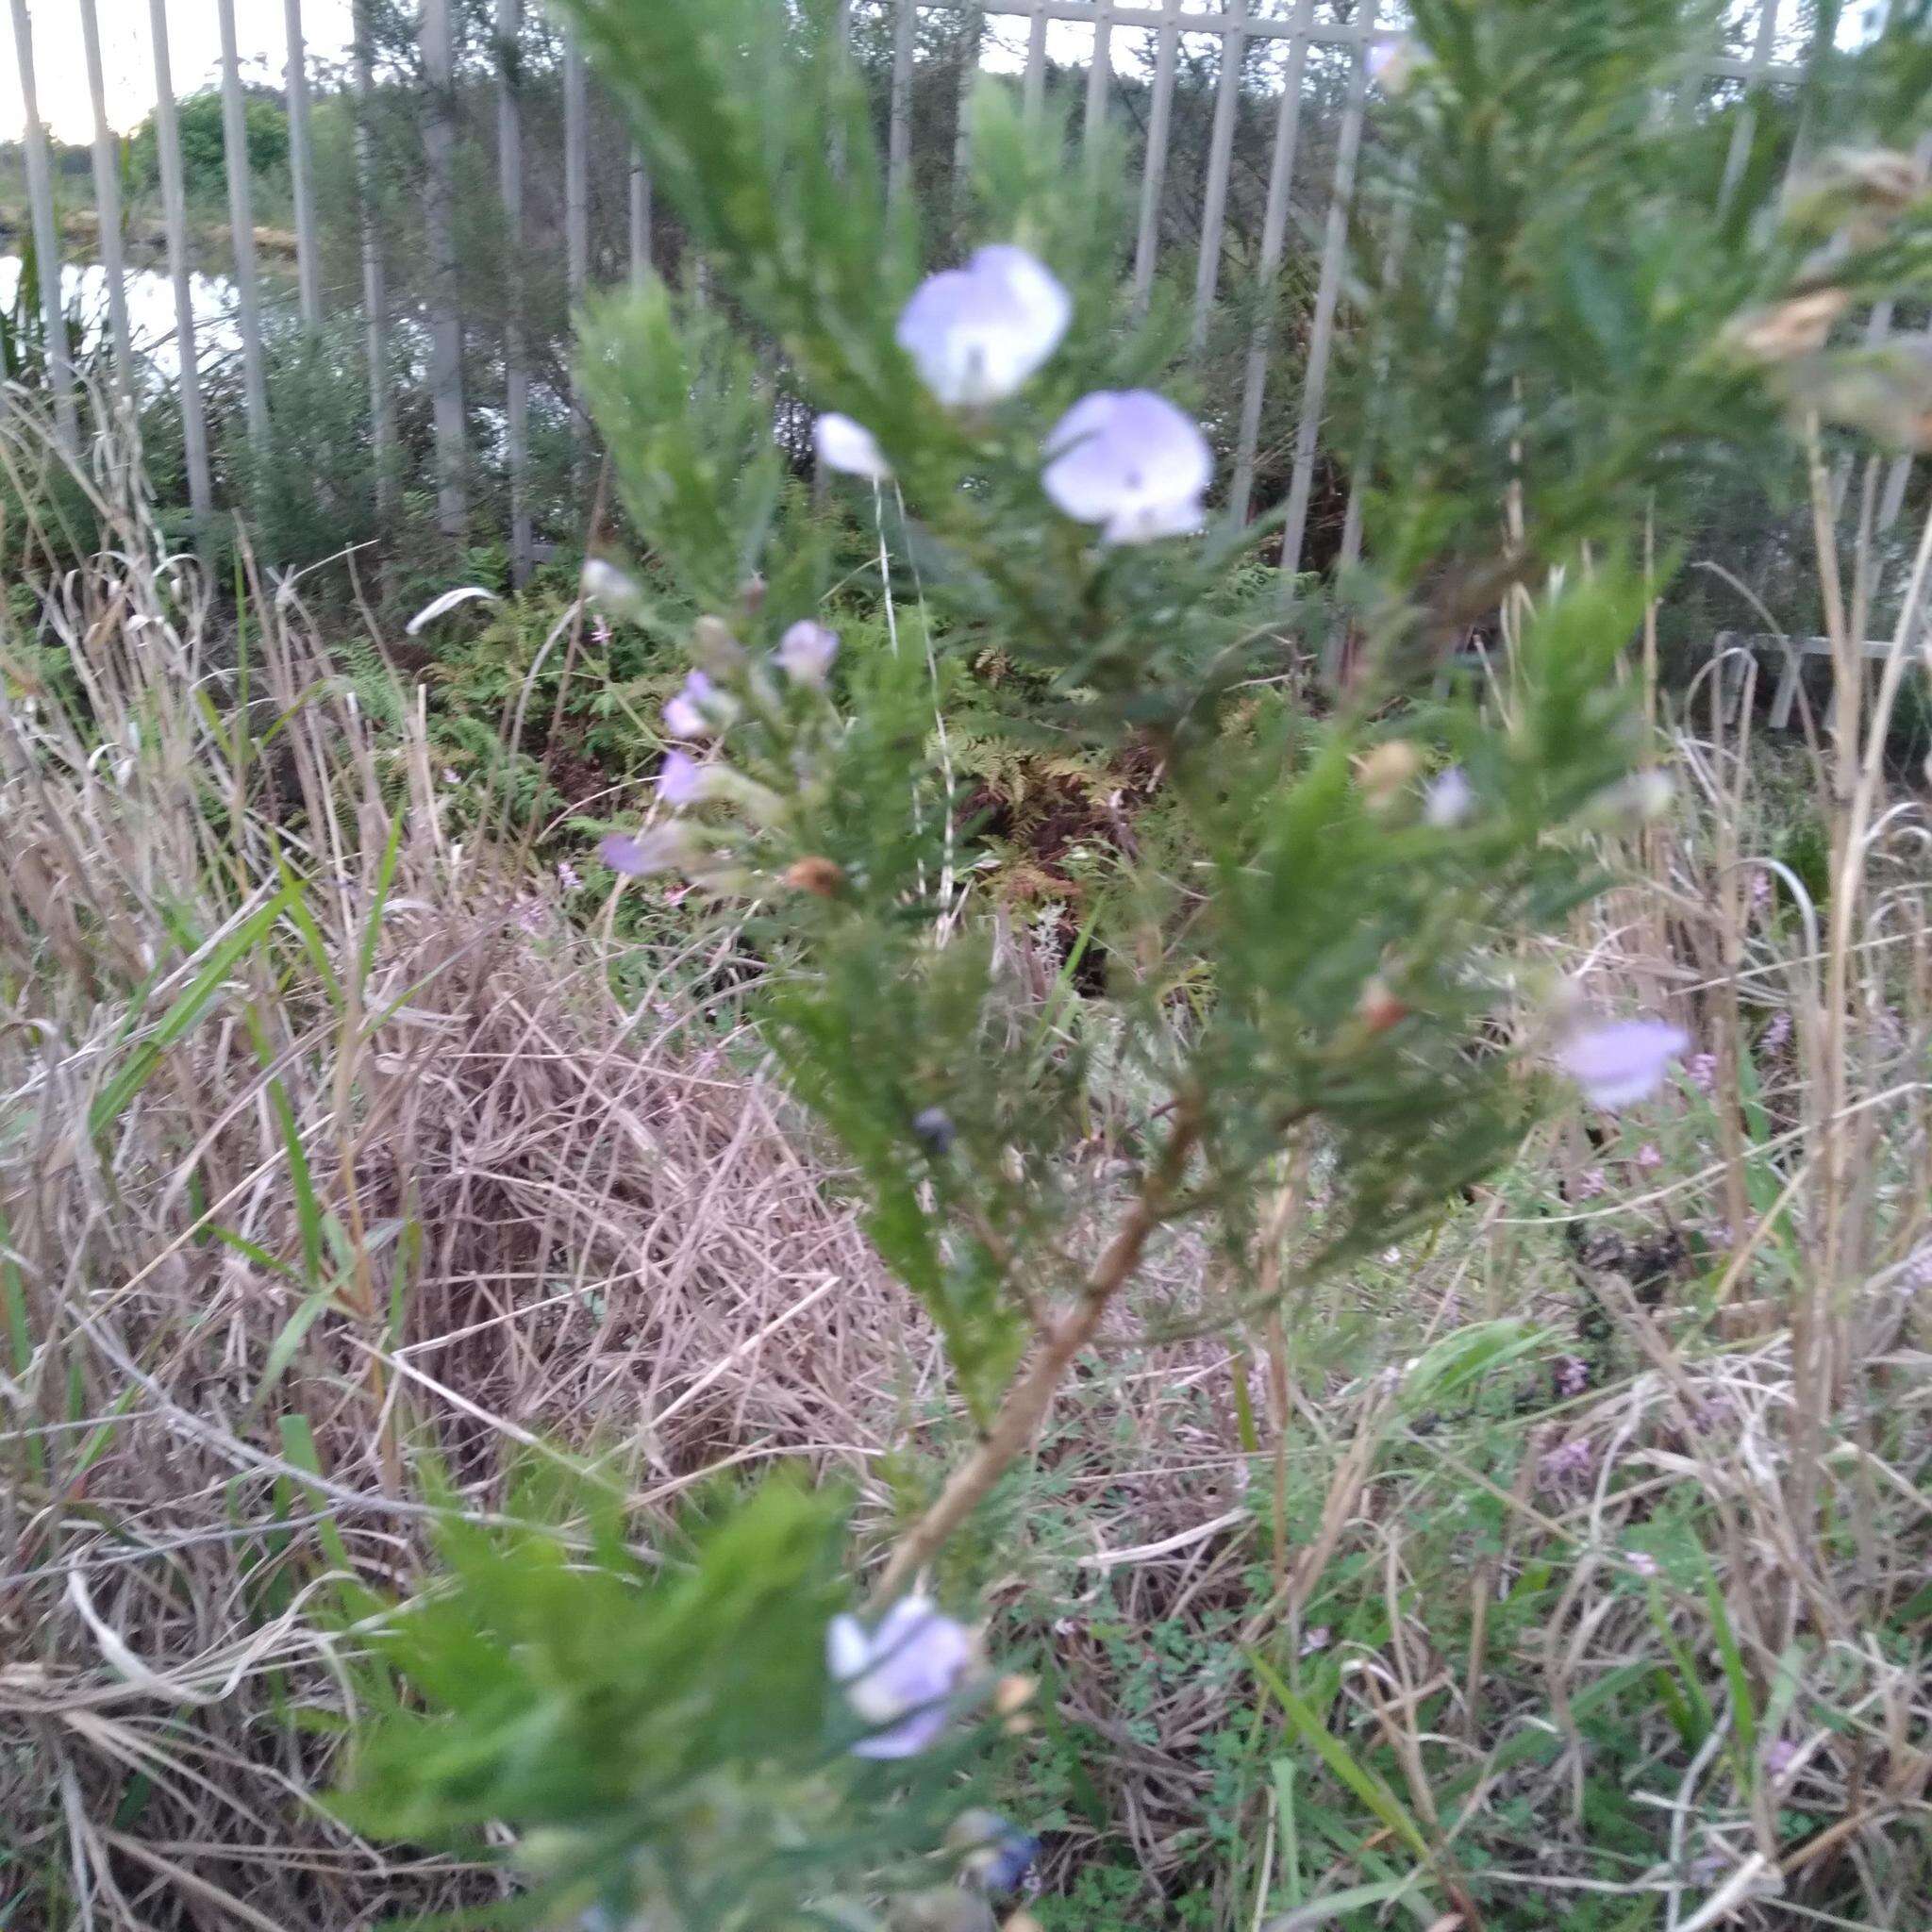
1031, 1396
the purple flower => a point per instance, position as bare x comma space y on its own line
807, 651
681, 780
1130, 461
1644, 1563
1619, 1061
665, 848
1650, 1155
568, 876
1591, 1182
1449, 800
1918, 1270
530, 914
1779, 1757
699, 708
901, 1676
976, 333
1573, 1376
1317, 1639
1566, 1463
844, 444
1702, 1070
1760, 888
1777, 1032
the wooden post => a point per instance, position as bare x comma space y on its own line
1154, 174
382, 429
899, 111
302, 168
1033, 93
107, 200
510, 159
1100, 70
1328, 296
1227, 95
445, 315
175, 212
1288, 122
241, 226
40, 190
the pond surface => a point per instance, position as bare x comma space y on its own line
150, 309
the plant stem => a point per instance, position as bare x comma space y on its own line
1031, 1396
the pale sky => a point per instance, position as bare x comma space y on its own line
195, 47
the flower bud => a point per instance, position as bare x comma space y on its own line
716, 651
1379, 1009
1387, 772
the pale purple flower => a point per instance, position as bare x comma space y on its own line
1619, 1061
1918, 1269
1779, 1756
901, 1676
1777, 1032
1130, 461
665, 848
976, 334
1573, 1376
530, 914
1317, 1639
1591, 1182
1650, 1155
1702, 1070
681, 780
1760, 888
699, 708
1449, 800
568, 876
1643, 1562
844, 444
1566, 1463
604, 584
806, 652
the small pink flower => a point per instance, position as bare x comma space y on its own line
1643, 1562
1619, 1061
1650, 1155
1591, 1182
1569, 1462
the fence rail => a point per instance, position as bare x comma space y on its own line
1274, 63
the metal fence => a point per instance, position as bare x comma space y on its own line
1253, 61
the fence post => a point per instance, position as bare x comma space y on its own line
382, 433
175, 213
1100, 69
576, 219
39, 189
1327, 296
107, 201
899, 111
242, 227
1033, 90
302, 167
1227, 95
445, 316
640, 220
509, 174
1154, 174
1287, 123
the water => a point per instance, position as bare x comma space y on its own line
150, 311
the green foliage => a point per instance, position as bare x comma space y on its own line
204, 149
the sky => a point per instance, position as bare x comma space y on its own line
194, 48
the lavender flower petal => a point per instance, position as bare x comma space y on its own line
1621, 1061
900, 1677
1130, 461
976, 334
806, 652
844, 444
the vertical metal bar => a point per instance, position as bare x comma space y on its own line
445, 315
1099, 67
382, 427
1287, 123
241, 229
516, 373
301, 169
1227, 95
1033, 90
577, 166
1745, 132
107, 200
175, 213
640, 219
39, 189
1327, 294
899, 112
1154, 174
